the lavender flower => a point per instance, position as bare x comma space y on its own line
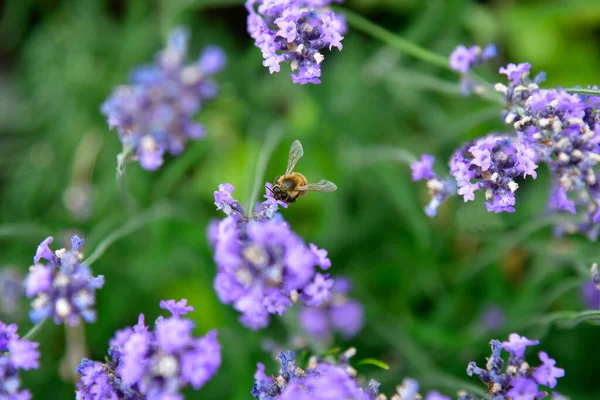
11, 288
263, 265
463, 59
155, 365
338, 314
439, 189
321, 381
552, 127
15, 354
64, 289
295, 31
154, 114
517, 380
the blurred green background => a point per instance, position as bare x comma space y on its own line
425, 283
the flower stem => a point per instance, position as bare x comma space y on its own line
157, 212
273, 136
584, 91
121, 182
34, 330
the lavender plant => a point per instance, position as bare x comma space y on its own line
552, 127
153, 114
263, 266
64, 289
145, 365
15, 354
296, 32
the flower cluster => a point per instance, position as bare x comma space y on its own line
339, 313
320, 381
15, 354
263, 266
65, 288
552, 127
154, 114
491, 164
517, 380
439, 189
463, 59
146, 365
295, 31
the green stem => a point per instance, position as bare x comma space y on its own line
364, 25
121, 182
157, 212
587, 92
34, 330
266, 150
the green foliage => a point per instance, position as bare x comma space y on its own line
424, 282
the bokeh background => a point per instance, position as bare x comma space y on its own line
426, 284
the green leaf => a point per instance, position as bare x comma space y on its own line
372, 361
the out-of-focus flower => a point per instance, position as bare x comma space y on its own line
11, 288
462, 59
338, 314
152, 365
440, 189
153, 115
295, 31
64, 289
15, 354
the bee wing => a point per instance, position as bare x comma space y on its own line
296, 153
321, 186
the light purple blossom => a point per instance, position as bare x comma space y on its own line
15, 354
523, 389
64, 289
152, 365
423, 169
547, 373
295, 31
154, 113
517, 344
462, 58
515, 72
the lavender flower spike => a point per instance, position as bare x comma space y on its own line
15, 354
295, 31
516, 379
64, 289
154, 113
152, 365
439, 189
263, 266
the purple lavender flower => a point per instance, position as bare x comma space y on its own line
517, 344
64, 289
15, 354
295, 31
547, 373
321, 381
462, 58
153, 115
263, 267
516, 380
152, 365
439, 189
590, 295
436, 396
338, 314
11, 288
515, 73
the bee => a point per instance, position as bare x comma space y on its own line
292, 185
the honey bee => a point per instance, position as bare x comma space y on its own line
292, 185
